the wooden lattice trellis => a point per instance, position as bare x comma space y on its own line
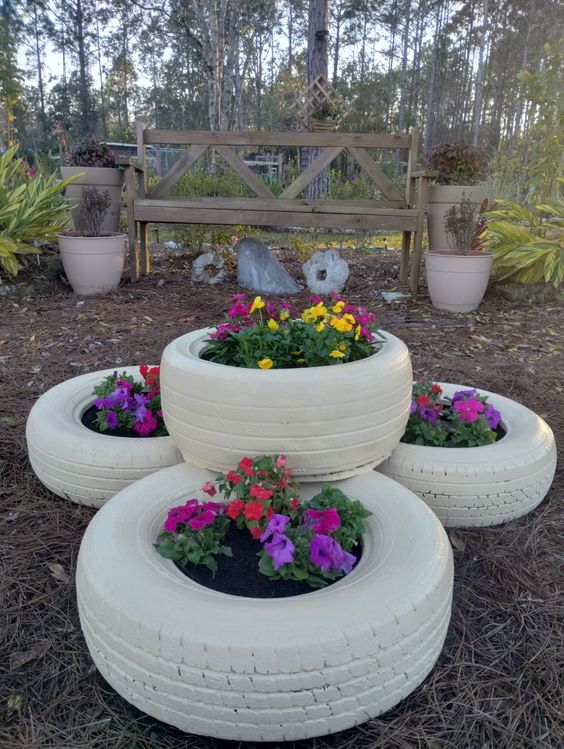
318, 93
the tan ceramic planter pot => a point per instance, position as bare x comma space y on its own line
457, 282
104, 178
78, 464
331, 422
251, 669
440, 199
488, 485
93, 265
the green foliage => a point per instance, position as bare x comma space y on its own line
457, 163
195, 546
528, 243
32, 209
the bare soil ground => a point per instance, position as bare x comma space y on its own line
496, 685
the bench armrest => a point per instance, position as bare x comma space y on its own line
424, 173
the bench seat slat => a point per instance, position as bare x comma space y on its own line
158, 212
276, 205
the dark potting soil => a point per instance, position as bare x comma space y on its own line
239, 575
89, 421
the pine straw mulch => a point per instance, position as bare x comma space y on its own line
496, 684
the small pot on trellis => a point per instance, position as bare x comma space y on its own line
325, 118
92, 258
457, 279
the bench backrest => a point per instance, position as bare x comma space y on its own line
332, 144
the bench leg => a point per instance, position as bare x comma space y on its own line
133, 252
416, 261
144, 248
404, 261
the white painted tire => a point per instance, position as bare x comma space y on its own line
475, 486
78, 464
255, 669
332, 422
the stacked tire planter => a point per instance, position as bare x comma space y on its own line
279, 669
478, 486
78, 464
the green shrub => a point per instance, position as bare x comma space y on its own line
32, 209
528, 243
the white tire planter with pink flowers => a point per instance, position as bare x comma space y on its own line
79, 464
332, 422
278, 669
487, 485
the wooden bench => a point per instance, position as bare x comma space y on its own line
395, 212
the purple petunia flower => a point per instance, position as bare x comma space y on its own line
428, 414
461, 394
281, 549
112, 420
328, 554
493, 416
276, 524
413, 408
468, 410
200, 521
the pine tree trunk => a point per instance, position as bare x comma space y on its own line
476, 117
317, 64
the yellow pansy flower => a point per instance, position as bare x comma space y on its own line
340, 324
265, 363
257, 304
296, 353
320, 326
272, 324
338, 307
336, 354
320, 310
308, 315
357, 333
349, 318
284, 315
342, 347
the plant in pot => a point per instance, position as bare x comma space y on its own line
458, 167
94, 163
92, 258
325, 117
457, 278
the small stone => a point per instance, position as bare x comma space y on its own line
161, 282
202, 263
326, 271
171, 245
259, 270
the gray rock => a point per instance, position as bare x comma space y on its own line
259, 270
170, 245
199, 272
326, 271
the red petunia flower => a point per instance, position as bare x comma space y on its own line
259, 492
253, 511
233, 477
246, 465
235, 508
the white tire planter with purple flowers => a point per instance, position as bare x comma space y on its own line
487, 485
249, 669
332, 422
79, 464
